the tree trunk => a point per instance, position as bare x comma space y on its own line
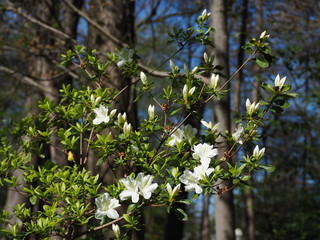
248, 194
224, 216
205, 221
117, 18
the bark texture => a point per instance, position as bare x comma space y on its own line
224, 213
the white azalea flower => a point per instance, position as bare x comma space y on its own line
146, 187
204, 152
102, 115
191, 181
238, 133
106, 207
203, 170
142, 185
176, 137
186, 132
131, 191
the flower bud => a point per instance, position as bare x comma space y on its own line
172, 192
112, 113
143, 78
151, 110
122, 118
127, 128
252, 107
258, 154
214, 81
205, 57
279, 82
116, 230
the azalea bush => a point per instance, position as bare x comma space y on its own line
154, 164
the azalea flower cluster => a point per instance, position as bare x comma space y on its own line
134, 188
203, 152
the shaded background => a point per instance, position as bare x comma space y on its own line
282, 205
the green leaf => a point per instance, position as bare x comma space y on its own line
290, 94
261, 62
175, 111
185, 201
181, 214
33, 200
268, 168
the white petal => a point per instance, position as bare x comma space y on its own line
113, 214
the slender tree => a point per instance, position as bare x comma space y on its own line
224, 215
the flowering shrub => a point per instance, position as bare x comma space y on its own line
158, 161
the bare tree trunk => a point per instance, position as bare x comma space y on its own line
117, 18
205, 221
248, 194
239, 79
224, 215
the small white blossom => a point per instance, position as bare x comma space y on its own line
258, 153
191, 181
143, 78
252, 107
204, 152
238, 133
214, 81
106, 207
151, 110
279, 82
102, 115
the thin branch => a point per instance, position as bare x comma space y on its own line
95, 24
162, 18
25, 79
13, 8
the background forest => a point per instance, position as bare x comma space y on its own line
279, 206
